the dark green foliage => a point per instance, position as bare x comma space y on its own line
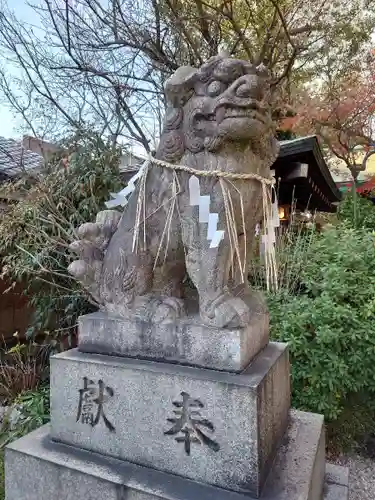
29, 411
355, 426
36, 232
365, 211
2, 478
330, 324
285, 135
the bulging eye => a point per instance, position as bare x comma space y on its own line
215, 88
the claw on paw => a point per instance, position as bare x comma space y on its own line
226, 311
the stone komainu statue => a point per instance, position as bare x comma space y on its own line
217, 119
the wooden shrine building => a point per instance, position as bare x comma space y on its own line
303, 178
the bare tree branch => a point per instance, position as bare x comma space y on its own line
102, 64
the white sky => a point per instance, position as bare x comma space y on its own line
9, 124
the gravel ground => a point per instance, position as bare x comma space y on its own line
361, 476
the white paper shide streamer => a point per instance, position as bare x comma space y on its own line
268, 240
214, 236
120, 199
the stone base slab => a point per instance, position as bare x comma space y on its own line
219, 428
37, 468
186, 341
337, 481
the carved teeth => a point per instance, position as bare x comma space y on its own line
234, 112
220, 114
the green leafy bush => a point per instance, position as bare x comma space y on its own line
330, 324
29, 411
291, 252
365, 212
24, 378
36, 232
2, 478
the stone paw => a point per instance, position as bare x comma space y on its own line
226, 311
168, 310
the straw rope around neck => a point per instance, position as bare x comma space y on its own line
267, 188
269, 181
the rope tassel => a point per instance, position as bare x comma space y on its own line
269, 237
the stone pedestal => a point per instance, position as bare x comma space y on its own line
37, 468
186, 341
225, 431
123, 427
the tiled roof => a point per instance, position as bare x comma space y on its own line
307, 149
15, 159
297, 140
130, 162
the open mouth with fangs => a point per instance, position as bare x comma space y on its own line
224, 112
228, 111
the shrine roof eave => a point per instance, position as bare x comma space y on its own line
316, 189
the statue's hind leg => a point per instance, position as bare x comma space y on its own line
164, 303
168, 293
